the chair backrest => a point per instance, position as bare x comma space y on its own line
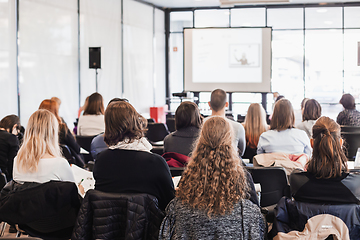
170, 123
345, 128
85, 141
135, 215
176, 171
352, 143
156, 132
273, 181
67, 153
3, 180
291, 215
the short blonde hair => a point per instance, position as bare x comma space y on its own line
41, 137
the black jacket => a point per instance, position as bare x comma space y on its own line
49, 207
118, 216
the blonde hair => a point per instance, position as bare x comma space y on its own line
255, 124
40, 138
214, 179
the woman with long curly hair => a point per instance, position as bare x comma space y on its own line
212, 198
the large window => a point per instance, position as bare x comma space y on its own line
314, 51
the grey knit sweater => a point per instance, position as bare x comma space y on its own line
183, 222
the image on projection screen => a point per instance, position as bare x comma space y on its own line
244, 55
227, 55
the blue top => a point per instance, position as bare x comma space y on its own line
287, 141
98, 145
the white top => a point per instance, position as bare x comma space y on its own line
91, 125
290, 141
57, 169
307, 126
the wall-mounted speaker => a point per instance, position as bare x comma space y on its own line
94, 57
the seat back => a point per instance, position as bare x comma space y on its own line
3, 180
273, 181
176, 171
135, 215
345, 128
352, 143
170, 123
156, 132
67, 153
85, 141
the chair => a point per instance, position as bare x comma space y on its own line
345, 128
292, 217
67, 154
274, 185
3, 182
47, 210
176, 171
170, 123
118, 216
85, 143
352, 143
156, 132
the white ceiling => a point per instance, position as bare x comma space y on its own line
216, 3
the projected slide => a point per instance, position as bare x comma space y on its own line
244, 55
236, 58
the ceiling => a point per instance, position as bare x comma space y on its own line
216, 3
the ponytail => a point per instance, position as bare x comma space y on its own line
328, 159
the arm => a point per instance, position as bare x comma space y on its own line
71, 142
260, 148
252, 193
166, 185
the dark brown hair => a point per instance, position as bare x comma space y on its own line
9, 121
328, 159
186, 115
123, 122
218, 99
303, 103
312, 110
283, 115
348, 101
214, 179
95, 105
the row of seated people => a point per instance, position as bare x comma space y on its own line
214, 189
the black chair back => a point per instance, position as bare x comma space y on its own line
170, 123
352, 143
176, 171
3, 180
350, 129
67, 153
274, 184
85, 141
156, 132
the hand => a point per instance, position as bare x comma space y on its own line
81, 189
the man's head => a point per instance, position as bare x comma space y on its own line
218, 100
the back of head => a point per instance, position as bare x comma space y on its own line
214, 179
41, 137
312, 110
328, 159
94, 105
255, 124
303, 103
186, 115
348, 101
56, 99
118, 100
9, 121
283, 116
218, 100
51, 106
123, 122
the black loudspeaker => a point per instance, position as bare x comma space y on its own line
94, 57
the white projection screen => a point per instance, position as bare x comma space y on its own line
233, 59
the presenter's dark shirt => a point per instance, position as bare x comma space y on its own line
9, 146
305, 187
131, 171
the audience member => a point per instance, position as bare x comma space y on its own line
310, 113
39, 158
82, 108
58, 101
65, 136
92, 121
187, 123
98, 144
9, 143
217, 105
299, 112
282, 136
349, 116
128, 166
327, 180
254, 125
212, 198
